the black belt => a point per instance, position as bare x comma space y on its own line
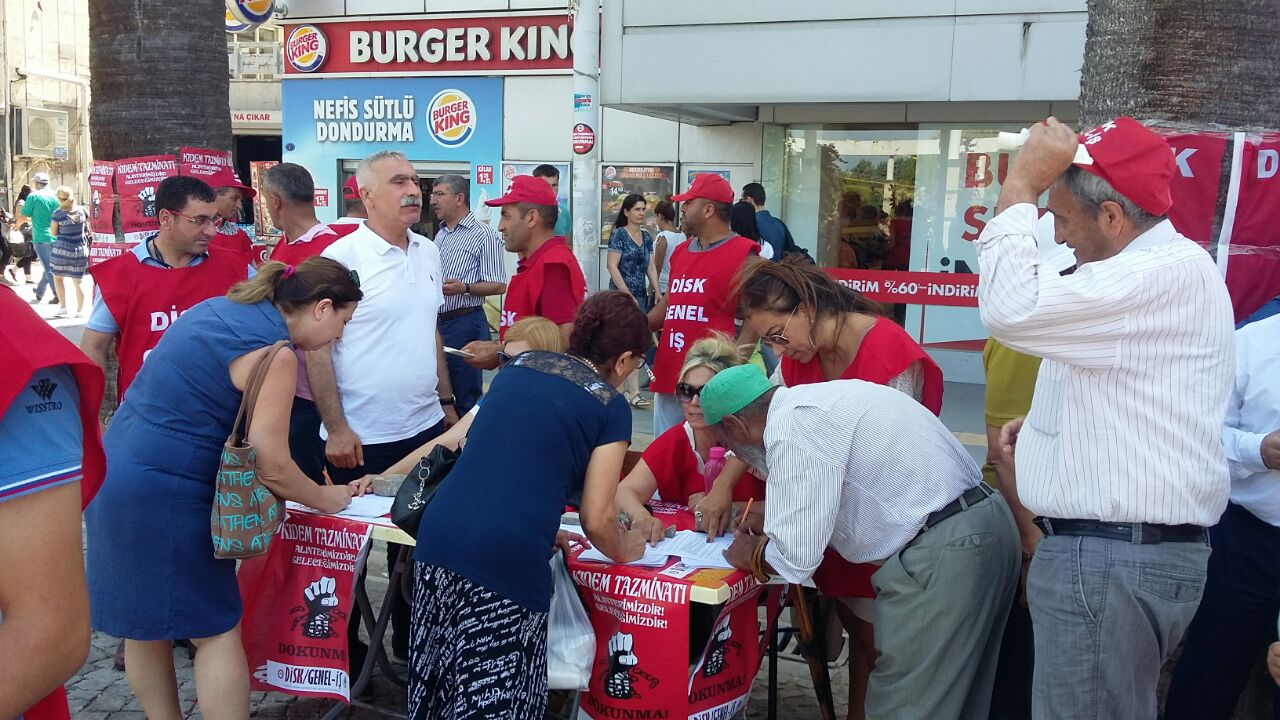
1137, 533
971, 497
458, 313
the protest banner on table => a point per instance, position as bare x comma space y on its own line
298, 599
203, 163
136, 181
100, 252
102, 201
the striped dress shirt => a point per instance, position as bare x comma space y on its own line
857, 466
471, 252
1138, 363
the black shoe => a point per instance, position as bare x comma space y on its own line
53, 301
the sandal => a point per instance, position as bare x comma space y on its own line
639, 402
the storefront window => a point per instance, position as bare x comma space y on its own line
895, 200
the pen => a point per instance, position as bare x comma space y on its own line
746, 510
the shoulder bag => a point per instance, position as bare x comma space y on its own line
420, 486
245, 513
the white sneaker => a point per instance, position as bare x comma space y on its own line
62, 312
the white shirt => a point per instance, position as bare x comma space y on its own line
1253, 411
385, 363
856, 466
1138, 356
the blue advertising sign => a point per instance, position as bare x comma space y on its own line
429, 119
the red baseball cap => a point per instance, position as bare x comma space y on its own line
710, 186
526, 189
226, 178
1137, 162
350, 190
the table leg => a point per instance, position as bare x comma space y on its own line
817, 665
377, 629
773, 674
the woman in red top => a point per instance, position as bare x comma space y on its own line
673, 463
825, 331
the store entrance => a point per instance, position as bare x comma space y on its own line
427, 171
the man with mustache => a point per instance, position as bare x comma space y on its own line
383, 390
868, 471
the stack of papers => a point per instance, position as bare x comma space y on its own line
365, 507
691, 547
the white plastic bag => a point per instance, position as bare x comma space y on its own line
571, 641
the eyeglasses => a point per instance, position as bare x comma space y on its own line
686, 392
778, 338
439, 194
202, 221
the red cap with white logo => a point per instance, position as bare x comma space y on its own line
1136, 162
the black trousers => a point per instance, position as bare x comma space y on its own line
1236, 620
377, 458
305, 444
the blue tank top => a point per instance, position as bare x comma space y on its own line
184, 387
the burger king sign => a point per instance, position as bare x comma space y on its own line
451, 118
306, 48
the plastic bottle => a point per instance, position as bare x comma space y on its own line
711, 469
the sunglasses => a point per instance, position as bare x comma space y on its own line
686, 392
778, 338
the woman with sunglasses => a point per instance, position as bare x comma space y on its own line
673, 464
825, 331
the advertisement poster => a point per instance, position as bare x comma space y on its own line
654, 182
102, 201
298, 599
1253, 264
449, 121
261, 223
136, 181
203, 163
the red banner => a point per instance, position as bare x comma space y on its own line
1253, 265
297, 599
100, 252
1198, 165
912, 288
136, 181
102, 201
203, 163
410, 46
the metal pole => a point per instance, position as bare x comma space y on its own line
585, 200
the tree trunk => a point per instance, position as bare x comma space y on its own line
159, 80
159, 77
1190, 65
1186, 63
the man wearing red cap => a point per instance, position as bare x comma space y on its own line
1119, 457
548, 280
231, 196
700, 300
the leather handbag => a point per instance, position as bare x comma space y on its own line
419, 486
245, 513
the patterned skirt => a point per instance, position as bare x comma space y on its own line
473, 654
69, 258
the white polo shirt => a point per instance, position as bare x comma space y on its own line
385, 362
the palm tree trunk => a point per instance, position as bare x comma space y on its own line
159, 82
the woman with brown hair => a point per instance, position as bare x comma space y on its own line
825, 331
153, 577
551, 425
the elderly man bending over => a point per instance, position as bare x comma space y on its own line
872, 473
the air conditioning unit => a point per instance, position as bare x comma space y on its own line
41, 133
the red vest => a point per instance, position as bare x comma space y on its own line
524, 292
28, 344
238, 241
885, 352
145, 300
672, 460
699, 303
294, 253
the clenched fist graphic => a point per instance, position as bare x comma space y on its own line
321, 598
617, 683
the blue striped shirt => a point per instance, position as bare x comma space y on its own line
471, 252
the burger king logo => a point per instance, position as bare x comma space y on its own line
306, 48
251, 12
451, 118
234, 25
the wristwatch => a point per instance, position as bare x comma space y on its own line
447, 401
